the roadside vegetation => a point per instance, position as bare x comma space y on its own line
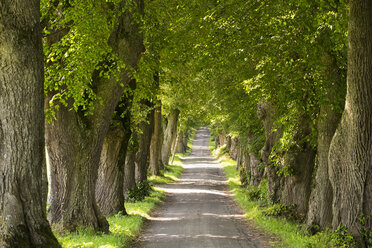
276, 220
125, 228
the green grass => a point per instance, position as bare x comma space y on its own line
123, 229
287, 233
212, 143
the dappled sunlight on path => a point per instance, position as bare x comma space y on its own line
199, 210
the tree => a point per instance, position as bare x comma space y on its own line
144, 142
169, 135
156, 143
110, 182
109, 187
83, 111
350, 155
23, 220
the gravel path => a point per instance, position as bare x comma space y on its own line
199, 210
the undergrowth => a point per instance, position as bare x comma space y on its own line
124, 228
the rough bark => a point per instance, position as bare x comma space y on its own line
74, 141
110, 182
144, 141
350, 155
300, 159
23, 220
74, 157
109, 187
266, 113
156, 143
129, 168
169, 135
320, 203
256, 171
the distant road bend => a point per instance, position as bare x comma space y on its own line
199, 210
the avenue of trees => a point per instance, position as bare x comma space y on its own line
96, 94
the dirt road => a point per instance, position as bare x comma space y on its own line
199, 210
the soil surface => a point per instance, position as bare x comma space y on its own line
198, 210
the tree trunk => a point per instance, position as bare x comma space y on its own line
266, 113
180, 148
74, 140
239, 158
162, 167
320, 207
256, 171
300, 159
350, 155
221, 139
110, 182
185, 140
169, 135
228, 143
234, 148
74, 155
217, 141
155, 147
129, 168
174, 145
109, 188
23, 220
143, 154
244, 173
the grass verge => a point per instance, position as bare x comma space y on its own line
289, 233
123, 229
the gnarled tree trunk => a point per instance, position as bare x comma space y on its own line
300, 159
23, 220
350, 155
266, 113
256, 171
320, 204
109, 188
169, 136
74, 140
74, 156
110, 182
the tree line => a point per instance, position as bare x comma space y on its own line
104, 91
